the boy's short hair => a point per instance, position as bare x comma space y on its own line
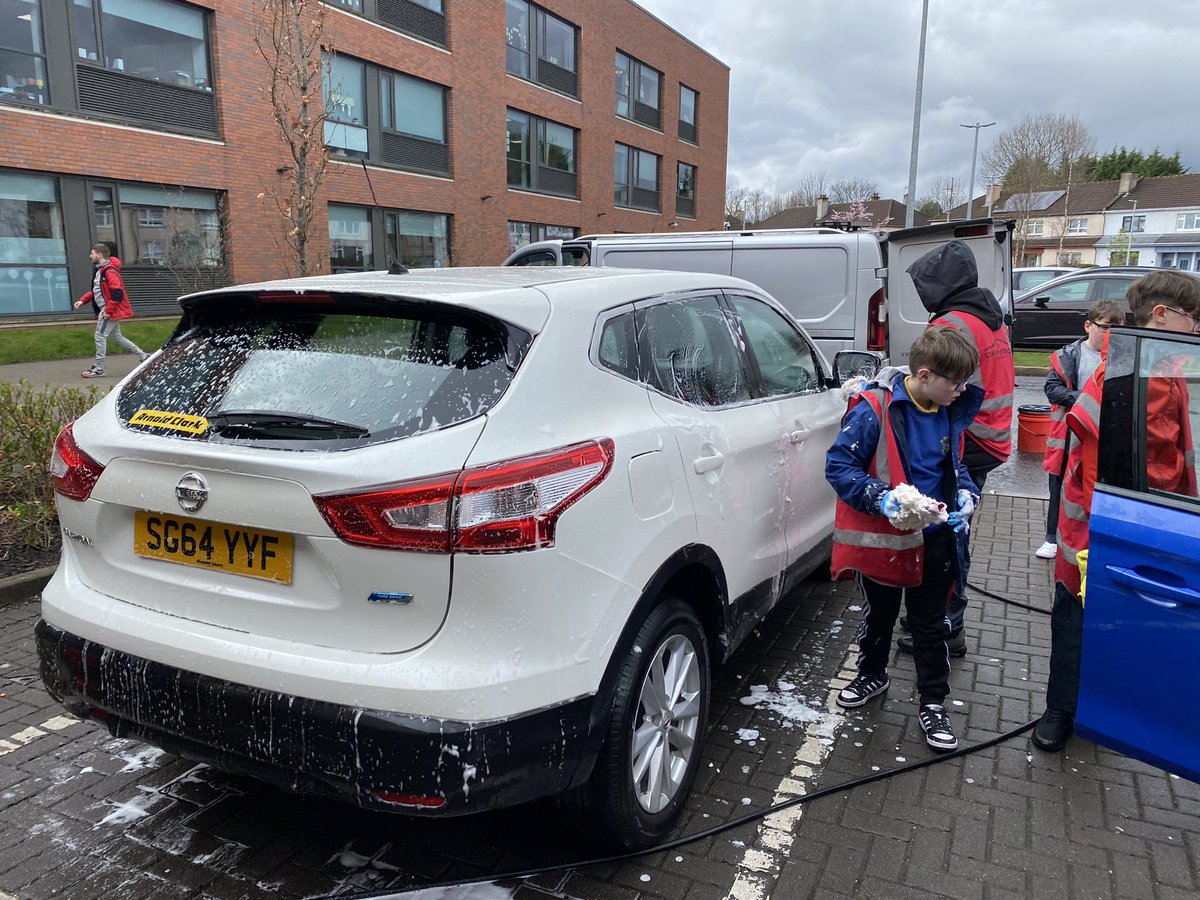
1168, 288
944, 351
1106, 312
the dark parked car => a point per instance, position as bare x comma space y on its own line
1052, 314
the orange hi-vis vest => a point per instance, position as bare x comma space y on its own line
1079, 481
1170, 456
868, 543
992, 428
1056, 440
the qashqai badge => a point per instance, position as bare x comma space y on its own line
191, 492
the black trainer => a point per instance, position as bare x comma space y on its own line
1053, 730
956, 643
939, 733
862, 689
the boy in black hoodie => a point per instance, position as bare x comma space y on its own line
947, 281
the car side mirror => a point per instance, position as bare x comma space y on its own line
848, 364
1040, 302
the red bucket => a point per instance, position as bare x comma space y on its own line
1033, 426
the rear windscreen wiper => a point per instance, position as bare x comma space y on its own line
246, 420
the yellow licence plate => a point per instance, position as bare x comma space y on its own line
214, 545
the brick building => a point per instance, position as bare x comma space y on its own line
457, 130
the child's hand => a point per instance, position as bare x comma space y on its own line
966, 503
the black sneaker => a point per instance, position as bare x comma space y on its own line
862, 689
1052, 730
939, 733
904, 624
956, 643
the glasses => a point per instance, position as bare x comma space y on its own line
958, 385
1104, 326
1195, 318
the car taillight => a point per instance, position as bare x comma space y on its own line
877, 322
72, 472
502, 507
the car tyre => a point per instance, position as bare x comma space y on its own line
652, 750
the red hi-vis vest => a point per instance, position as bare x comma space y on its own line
1055, 459
992, 428
868, 543
1079, 481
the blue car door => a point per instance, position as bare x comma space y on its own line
1140, 675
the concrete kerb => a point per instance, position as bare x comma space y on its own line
23, 586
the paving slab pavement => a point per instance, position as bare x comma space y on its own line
67, 371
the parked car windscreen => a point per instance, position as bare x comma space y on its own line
291, 375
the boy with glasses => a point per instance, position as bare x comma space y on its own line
905, 427
1167, 301
1070, 369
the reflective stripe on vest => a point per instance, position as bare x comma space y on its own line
867, 543
992, 427
1055, 459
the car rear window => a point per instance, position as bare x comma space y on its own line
290, 375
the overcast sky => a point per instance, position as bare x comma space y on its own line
828, 85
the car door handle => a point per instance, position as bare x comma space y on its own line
709, 462
800, 434
1173, 595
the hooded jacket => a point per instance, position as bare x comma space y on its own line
112, 288
947, 281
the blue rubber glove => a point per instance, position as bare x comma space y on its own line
958, 521
966, 502
889, 505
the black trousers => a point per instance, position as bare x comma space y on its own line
1066, 646
979, 463
1052, 512
925, 606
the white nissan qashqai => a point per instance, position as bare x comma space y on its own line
446, 540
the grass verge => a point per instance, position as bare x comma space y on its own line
1035, 359
18, 345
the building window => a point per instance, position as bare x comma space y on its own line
345, 106
349, 238
1187, 221
1077, 226
1034, 227
424, 19
412, 129
687, 113
33, 249
685, 190
175, 228
521, 234
150, 217
541, 155
417, 239
637, 91
1070, 258
1031, 259
636, 179
1133, 224
540, 47
156, 40
22, 53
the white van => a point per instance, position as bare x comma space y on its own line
849, 289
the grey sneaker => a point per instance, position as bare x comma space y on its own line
93, 372
862, 689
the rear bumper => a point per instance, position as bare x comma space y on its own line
375, 759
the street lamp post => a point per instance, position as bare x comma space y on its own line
911, 197
974, 152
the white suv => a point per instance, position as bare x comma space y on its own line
446, 540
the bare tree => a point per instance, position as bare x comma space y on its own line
943, 193
847, 190
290, 37
759, 205
808, 188
735, 203
194, 252
1042, 152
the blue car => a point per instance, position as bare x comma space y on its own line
1140, 678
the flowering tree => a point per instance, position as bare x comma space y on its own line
857, 216
290, 37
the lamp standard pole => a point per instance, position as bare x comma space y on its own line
974, 153
911, 196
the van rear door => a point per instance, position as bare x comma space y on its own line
989, 240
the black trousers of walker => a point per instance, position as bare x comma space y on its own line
925, 606
1066, 651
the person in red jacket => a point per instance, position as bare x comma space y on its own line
1167, 301
947, 281
109, 300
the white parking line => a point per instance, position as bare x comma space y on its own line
32, 733
759, 868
